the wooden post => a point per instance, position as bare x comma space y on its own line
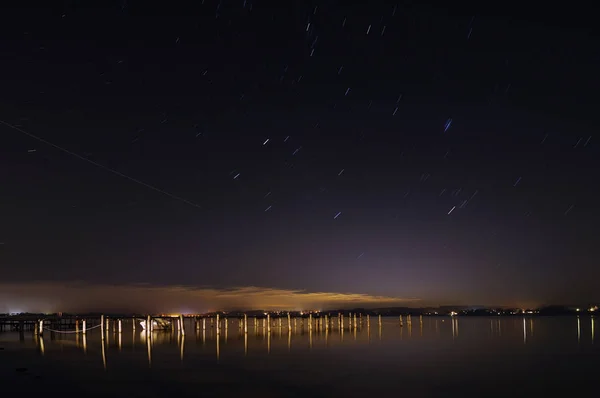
181, 325
310, 321
217, 323
148, 325
76, 325
269, 323
84, 328
120, 326
133, 323
203, 324
279, 322
400, 320
379, 319
41, 327
102, 326
246, 326
289, 322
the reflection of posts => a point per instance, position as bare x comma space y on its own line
182, 326
182, 343
42, 350
103, 343
149, 349
268, 343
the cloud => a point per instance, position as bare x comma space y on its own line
85, 297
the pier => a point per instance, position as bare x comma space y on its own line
220, 322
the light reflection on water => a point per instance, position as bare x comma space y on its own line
436, 350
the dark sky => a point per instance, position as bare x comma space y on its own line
394, 150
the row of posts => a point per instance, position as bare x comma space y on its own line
353, 321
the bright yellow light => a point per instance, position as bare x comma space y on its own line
577, 309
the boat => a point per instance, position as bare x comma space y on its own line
157, 324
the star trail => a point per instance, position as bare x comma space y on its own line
381, 152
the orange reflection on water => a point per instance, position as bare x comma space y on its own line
148, 347
182, 345
104, 342
218, 347
42, 345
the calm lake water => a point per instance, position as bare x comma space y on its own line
439, 357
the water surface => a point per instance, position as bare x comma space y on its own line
440, 356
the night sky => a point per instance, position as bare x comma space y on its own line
385, 152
